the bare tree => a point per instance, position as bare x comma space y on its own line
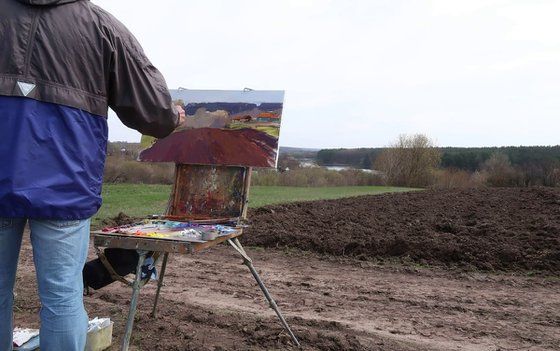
410, 161
498, 170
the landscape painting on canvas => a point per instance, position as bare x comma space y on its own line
223, 127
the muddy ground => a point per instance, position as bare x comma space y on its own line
432, 270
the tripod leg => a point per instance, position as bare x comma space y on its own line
160, 282
249, 263
133, 300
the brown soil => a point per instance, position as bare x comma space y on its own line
446, 270
490, 229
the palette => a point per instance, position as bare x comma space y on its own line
172, 230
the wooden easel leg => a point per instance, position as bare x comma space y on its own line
249, 263
160, 282
134, 300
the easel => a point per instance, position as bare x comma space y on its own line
214, 193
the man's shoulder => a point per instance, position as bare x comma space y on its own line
104, 17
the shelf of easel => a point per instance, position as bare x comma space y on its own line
103, 239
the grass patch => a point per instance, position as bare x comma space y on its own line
140, 200
267, 195
136, 200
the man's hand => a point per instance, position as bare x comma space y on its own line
179, 109
182, 121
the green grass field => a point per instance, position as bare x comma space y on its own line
268, 195
140, 200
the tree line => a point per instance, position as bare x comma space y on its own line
412, 160
464, 158
415, 161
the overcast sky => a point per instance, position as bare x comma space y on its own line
359, 73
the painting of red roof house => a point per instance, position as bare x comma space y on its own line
224, 128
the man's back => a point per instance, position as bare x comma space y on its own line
66, 62
63, 63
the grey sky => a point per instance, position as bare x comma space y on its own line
359, 73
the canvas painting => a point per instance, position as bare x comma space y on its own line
223, 127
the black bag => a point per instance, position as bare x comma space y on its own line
123, 262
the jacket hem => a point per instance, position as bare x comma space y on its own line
55, 93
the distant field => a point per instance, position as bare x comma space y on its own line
139, 200
267, 195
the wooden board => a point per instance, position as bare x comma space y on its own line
102, 239
209, 191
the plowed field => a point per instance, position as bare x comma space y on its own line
430, 270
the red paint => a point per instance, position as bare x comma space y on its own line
211, 146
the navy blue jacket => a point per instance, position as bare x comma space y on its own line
62, 64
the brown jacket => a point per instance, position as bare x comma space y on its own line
62, 64
74, 53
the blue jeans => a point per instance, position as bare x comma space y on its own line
59, 253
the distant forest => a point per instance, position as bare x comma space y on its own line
493, 166
455, 167
468, 159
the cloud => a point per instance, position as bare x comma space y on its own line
536, 21
462, 7
445, 68
533, 58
